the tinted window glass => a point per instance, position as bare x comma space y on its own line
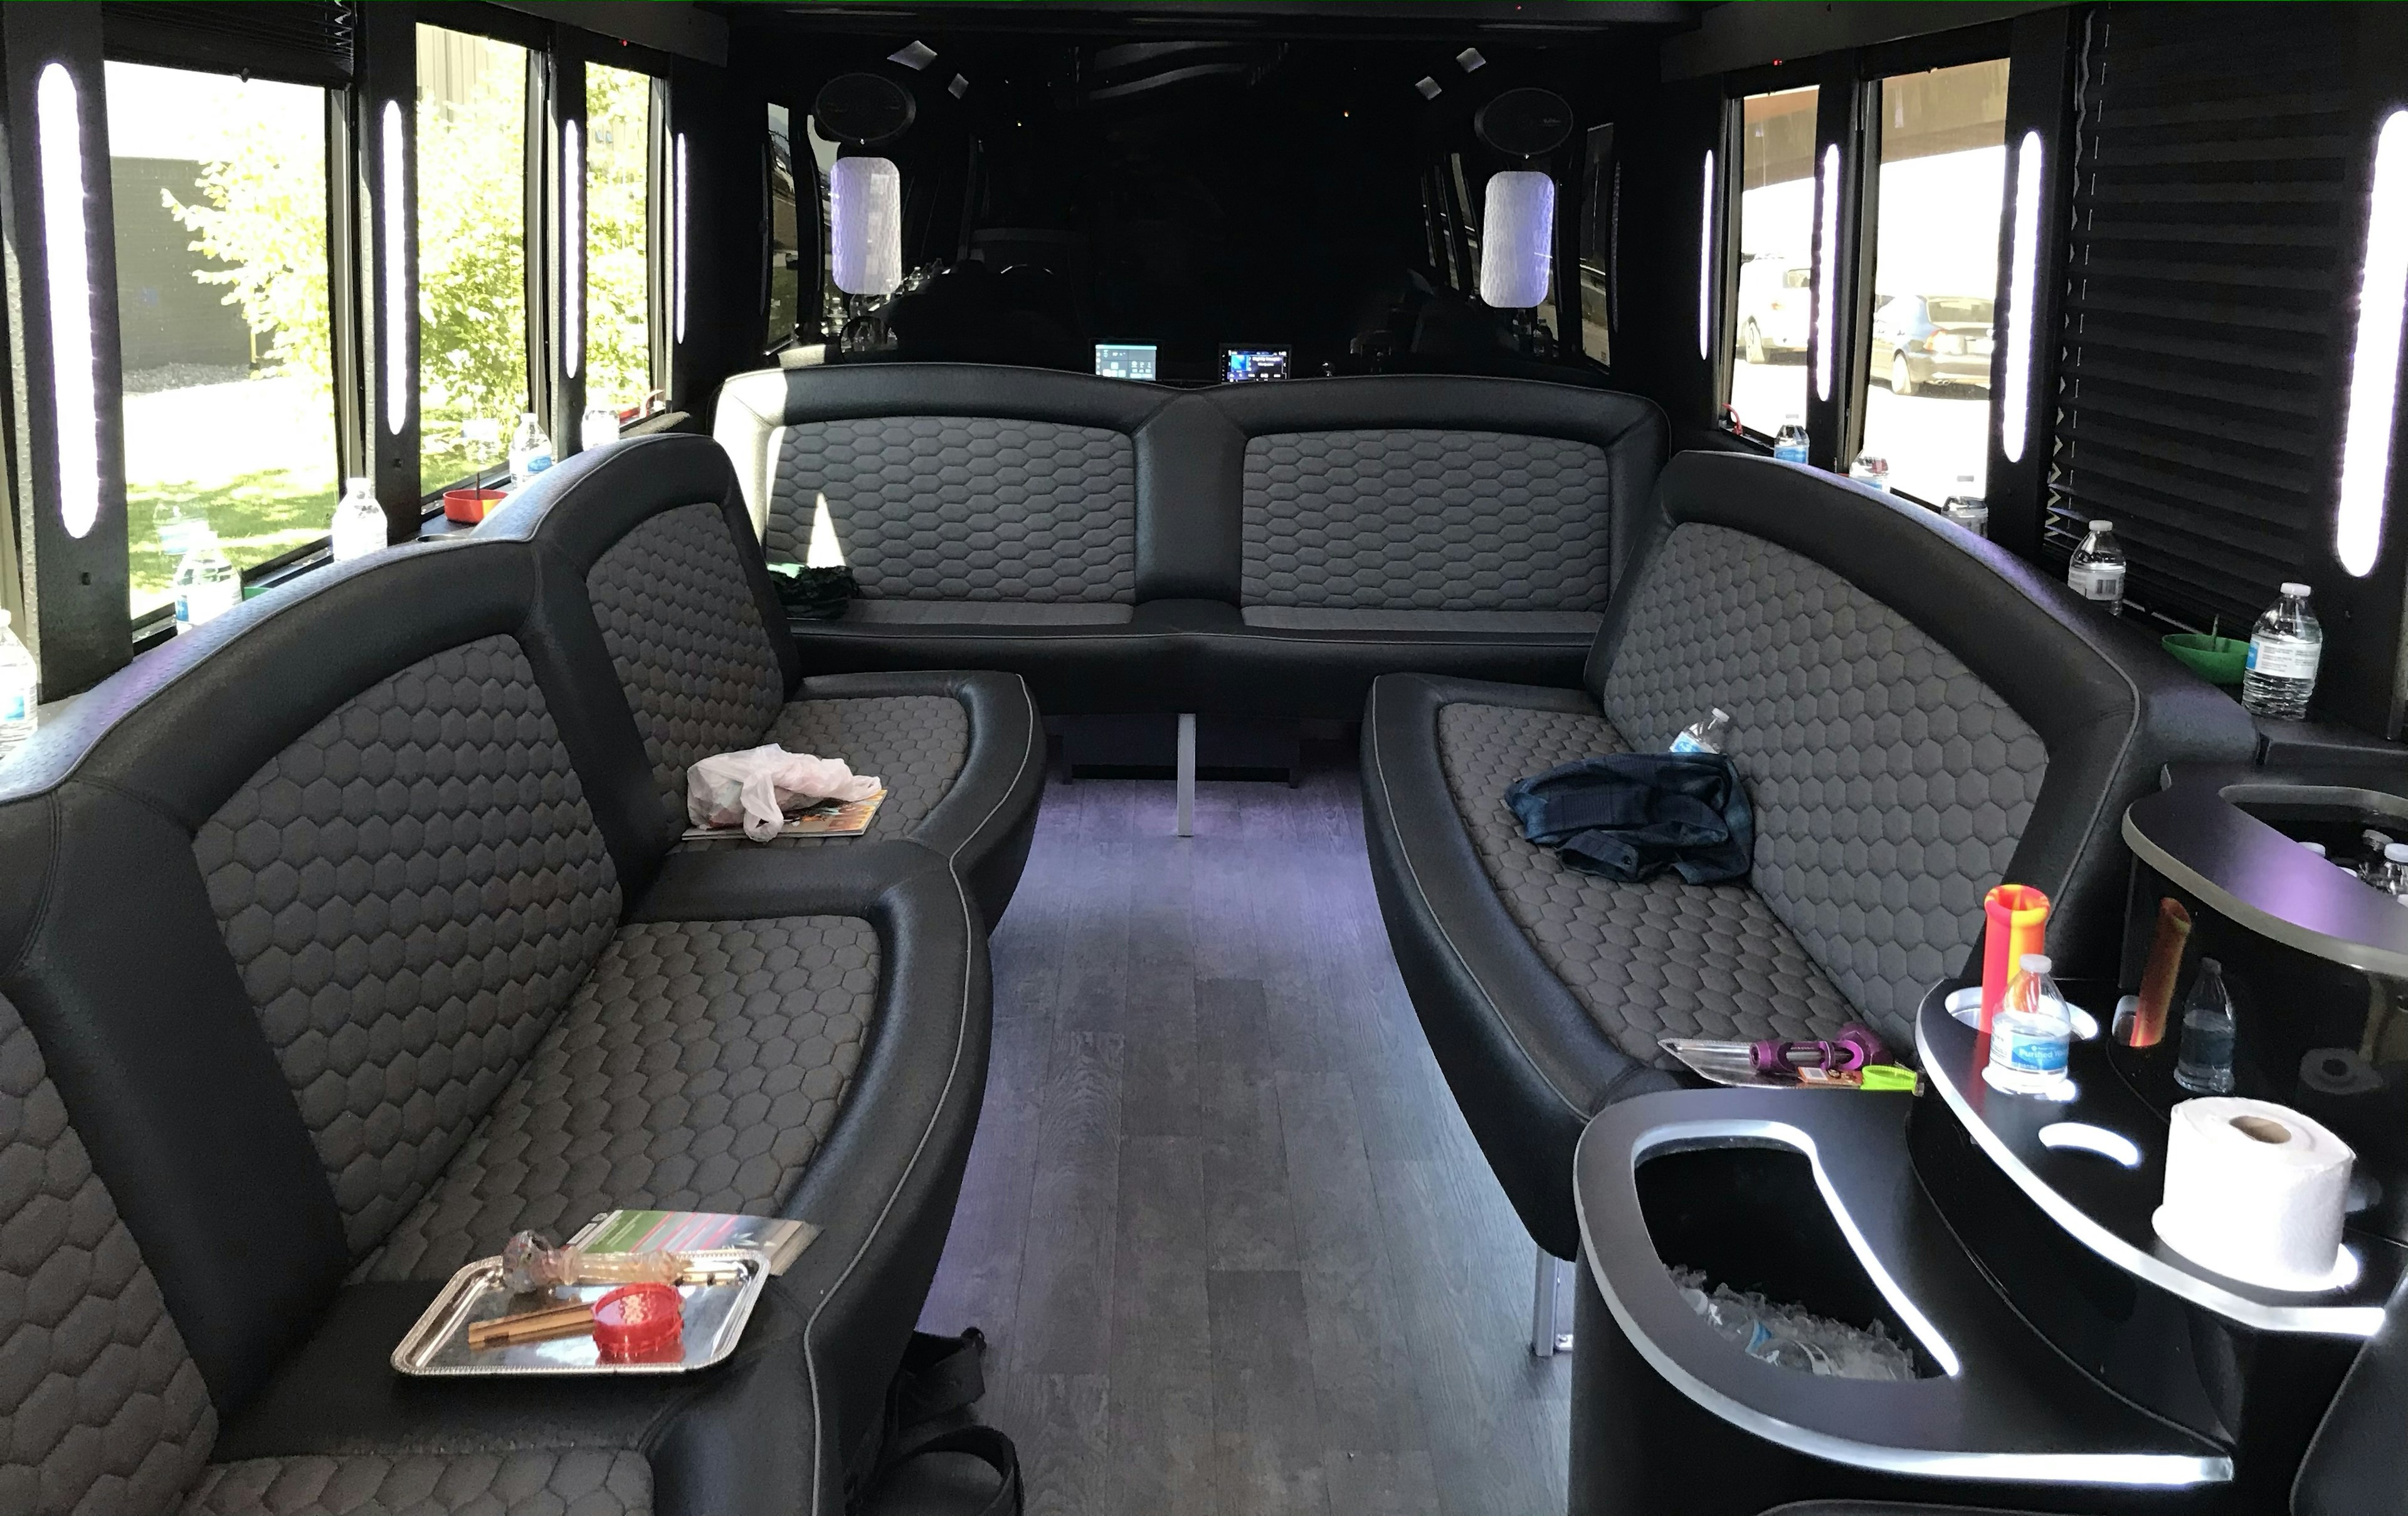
618, 239
1775, 317
220, 189
1935, 275
786, 234
472, 380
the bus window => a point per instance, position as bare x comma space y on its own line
1598, 186
1776, 247
472, 379
220, 189
1944, 153
785, 235
618, 238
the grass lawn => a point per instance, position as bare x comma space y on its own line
256, 456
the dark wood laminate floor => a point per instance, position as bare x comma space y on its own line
1232, 1245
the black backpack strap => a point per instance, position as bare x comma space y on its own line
983, 1443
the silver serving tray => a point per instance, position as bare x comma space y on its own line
438, 1345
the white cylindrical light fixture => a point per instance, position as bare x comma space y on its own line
2022, 287
66, 265
2375, 366
1517, 233
1825, 285
396, 306
680, 234
572, 244
1706, 259
866, 231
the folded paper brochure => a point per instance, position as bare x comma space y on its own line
696, 1231
829, 818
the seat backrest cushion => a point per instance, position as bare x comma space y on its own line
947, 481
101, 1409
1890, 784
1425, 519
411, 889
686, 636
1919, 716
1421, 493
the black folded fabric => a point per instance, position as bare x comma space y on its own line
1632, 815
818, 594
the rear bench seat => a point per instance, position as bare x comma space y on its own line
1249, 549
1918, 715
344, 939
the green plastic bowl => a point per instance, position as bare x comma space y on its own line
2218, 660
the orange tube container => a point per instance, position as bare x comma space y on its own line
2018, 917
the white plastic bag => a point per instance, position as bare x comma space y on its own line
755, 787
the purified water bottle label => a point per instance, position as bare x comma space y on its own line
2097, 581
2038, 1054
2285, 657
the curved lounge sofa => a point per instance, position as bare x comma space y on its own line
347, 936
1918, 715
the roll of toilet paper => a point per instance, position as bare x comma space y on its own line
2255, 1192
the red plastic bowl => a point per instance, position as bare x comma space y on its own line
468, 506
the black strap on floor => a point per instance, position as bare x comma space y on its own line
930, 1407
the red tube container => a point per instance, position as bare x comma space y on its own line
2017, 920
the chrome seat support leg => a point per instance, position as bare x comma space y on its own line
1551, 1327
1187, 773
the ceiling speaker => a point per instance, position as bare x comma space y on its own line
864, 111
1527, 123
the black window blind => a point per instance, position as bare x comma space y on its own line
2197, 374
297, 41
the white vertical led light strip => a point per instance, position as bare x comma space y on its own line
66, 260
1825, 303
680, 236
2022, 287
396, 309
2375, 368
572, 244
1706, 258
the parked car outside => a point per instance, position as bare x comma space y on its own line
1921, 339
1776, 305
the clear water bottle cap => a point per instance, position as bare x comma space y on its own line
2037, 963
359, 484
2301, 589
2102, 526
1720, 714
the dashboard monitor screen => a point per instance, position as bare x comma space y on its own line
1241, 364
1124, 360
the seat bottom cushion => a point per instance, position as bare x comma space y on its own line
1645, 961
698, 1069
1572, 623
529, 1481
916, 744
1015, 613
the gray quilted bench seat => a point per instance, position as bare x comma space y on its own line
1262, 549
345, 938
1918, 717
649, 547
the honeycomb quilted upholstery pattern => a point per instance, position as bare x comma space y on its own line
1890, 783
101, 1410
963, 507
686, 637
916, 743
699, 1069
1426, 520
1658, 959
412, 890
524, 1481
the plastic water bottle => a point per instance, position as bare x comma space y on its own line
176, 529
20, 687
358, 522
2395, 868
2283, 652
2096, 572
1872, 470
2031, 1037
599, 427
207, 585
2206, 1067
1703, 735
1789, 443
1966, 506
530, 452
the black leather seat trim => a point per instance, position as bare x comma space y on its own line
1528, 1065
